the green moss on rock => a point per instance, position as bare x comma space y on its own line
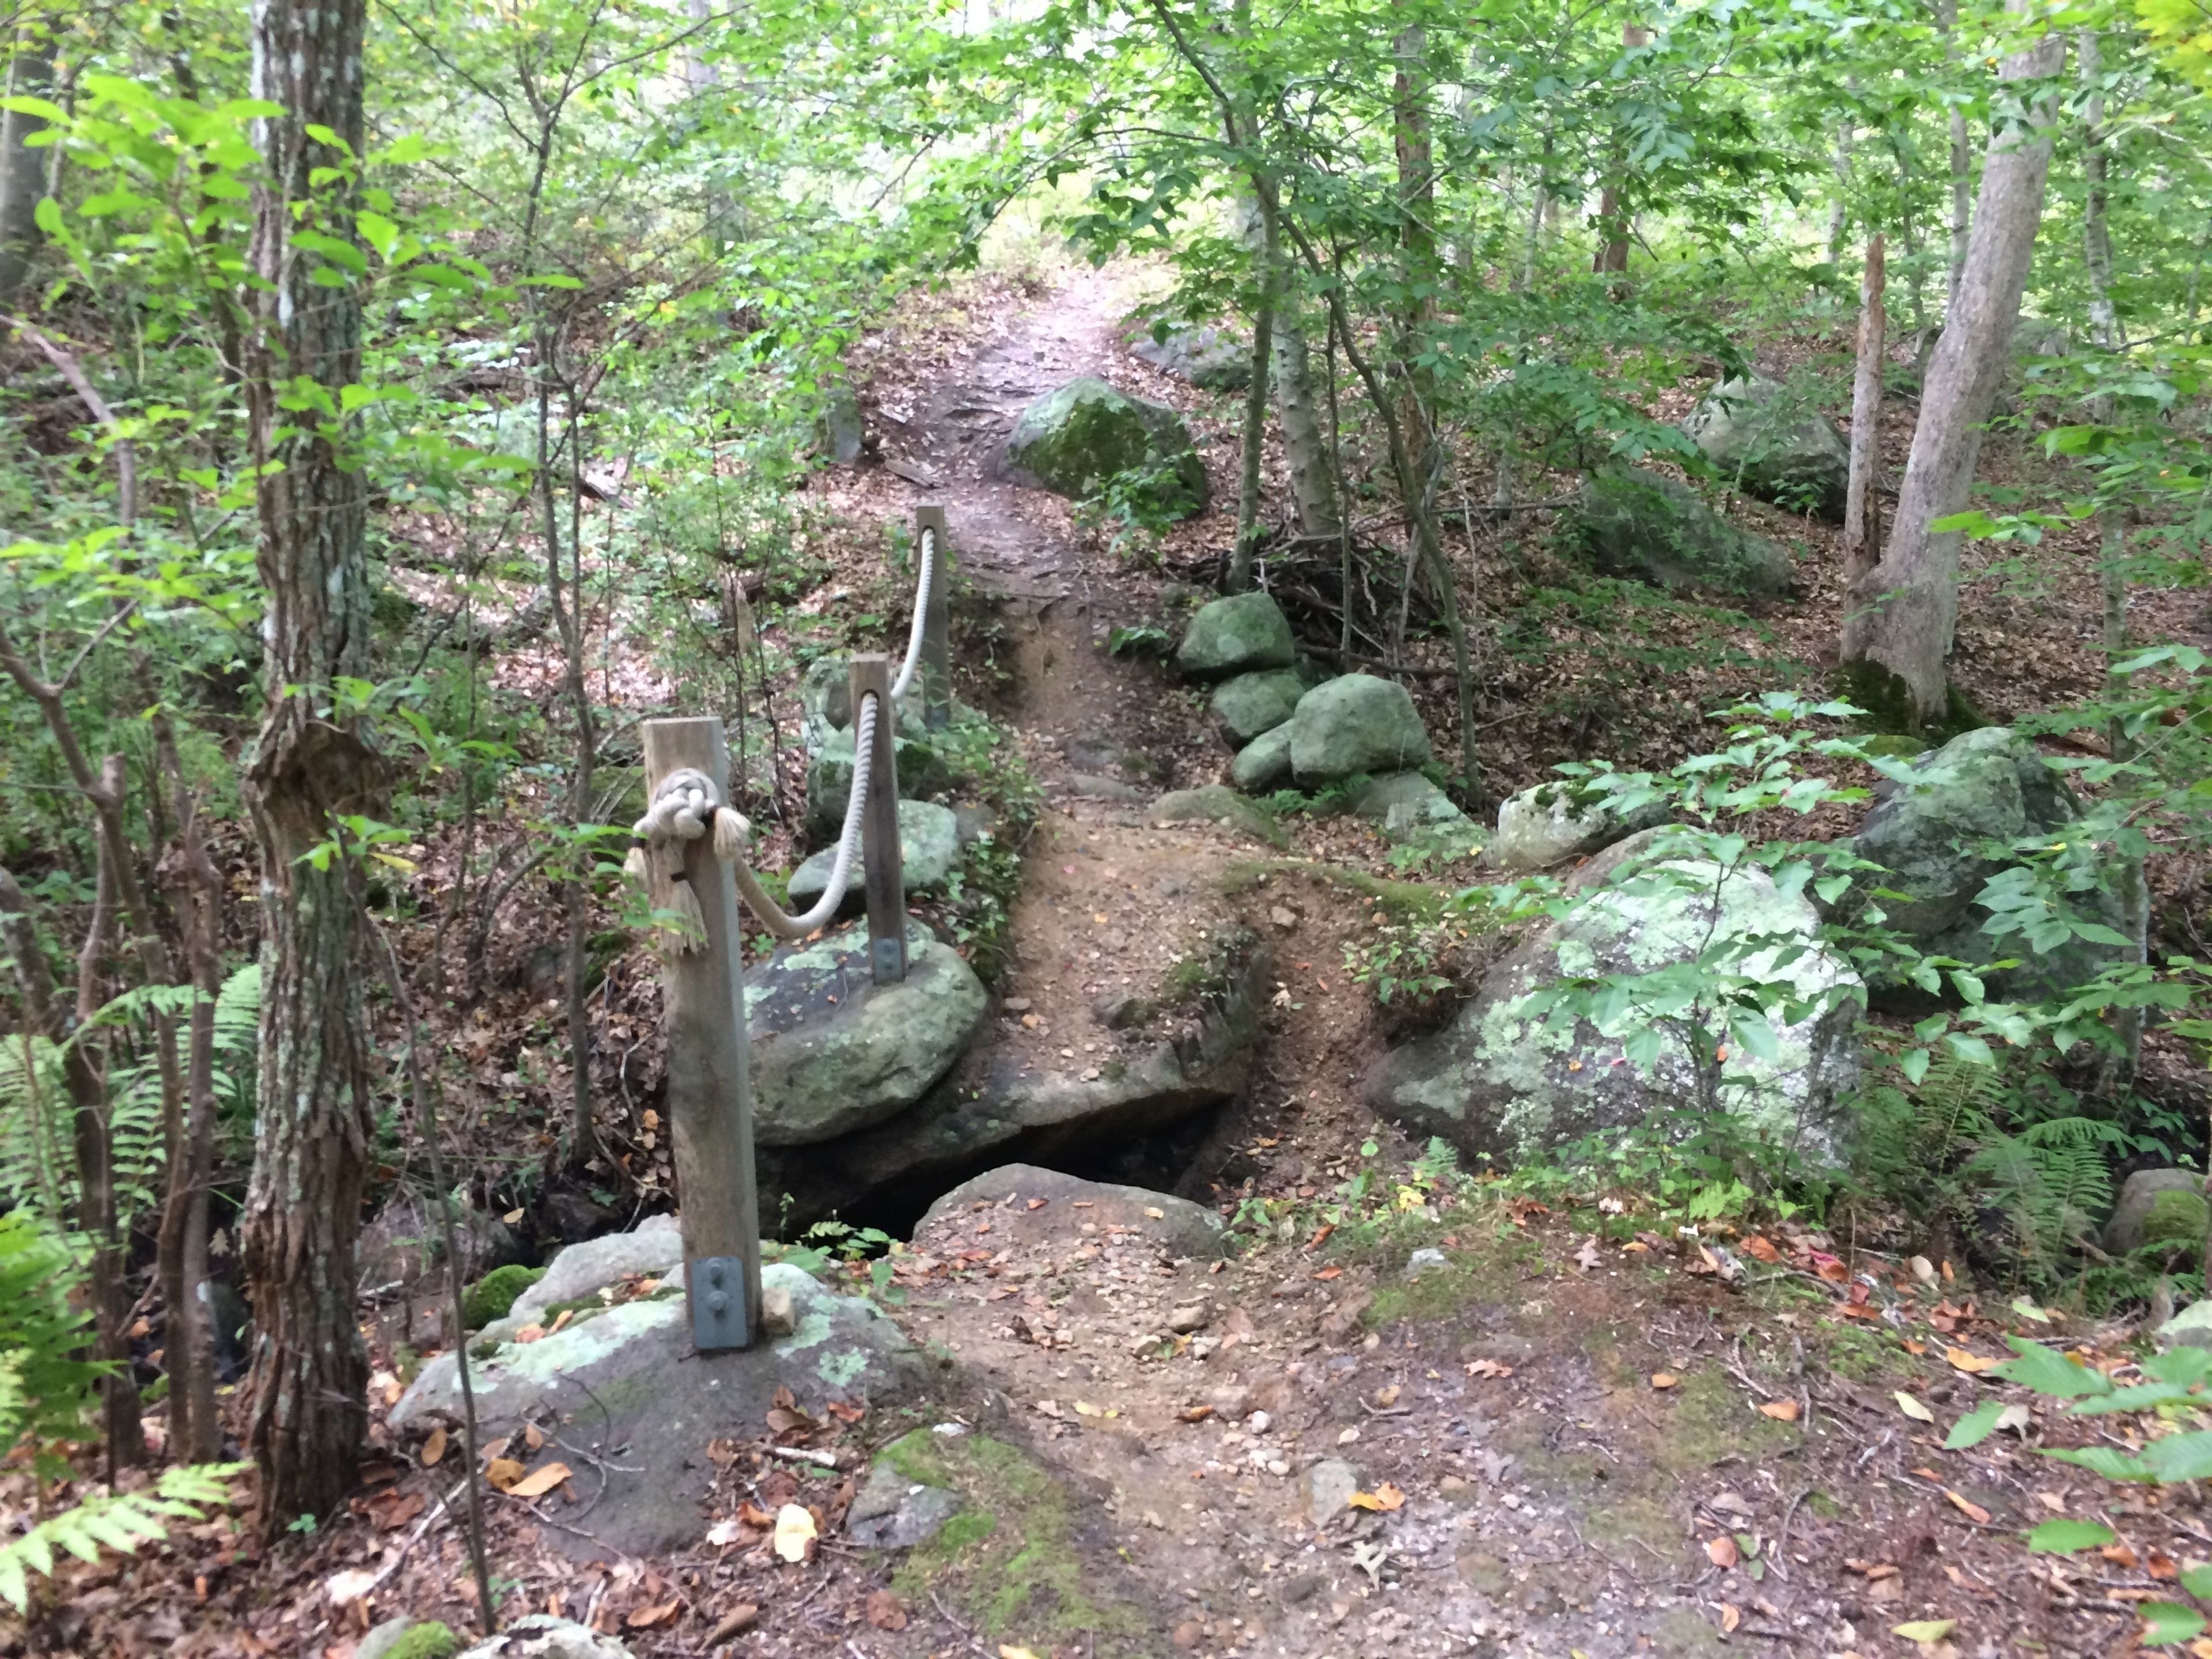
430, 1641
492, 1296
2177, 1218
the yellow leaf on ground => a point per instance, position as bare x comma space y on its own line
1664, 1379
795, 1533
1967, 1507
503, 1473
433, 1448
1912, 1408
538, 1482
1972, 1363
1722, 1551
1782, 1411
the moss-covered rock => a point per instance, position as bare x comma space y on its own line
1353, 725
1078, 438
490, 1297
2159, 1207
1639, 523
1773, 446
1250, 704
429, 1641
1264, 763
1244, 633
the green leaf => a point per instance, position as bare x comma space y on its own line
2166, 1622
2180, 1456
2069, 1537
2048, 1371
1976, 1426
2198, 1581
1925, 1630
48, 214
2107, 1461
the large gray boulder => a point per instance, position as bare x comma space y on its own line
1501, 1081
1941, 834
652, 1249
1204, 355
1549, 823
1242, 634
833, 1052
541, 1635
1413, 812
1654, 529
1250, 704
929, 852
1080, 437
1263, 765
2160, 1207
1769, 444
627, 1387
1356, 723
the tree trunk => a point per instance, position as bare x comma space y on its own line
1305, 447
1265, 259
2112, 525
1962, 164
1612, 252
22, 169
1862, 511
1839, 209
1897, 629
1417, 243
310, 1371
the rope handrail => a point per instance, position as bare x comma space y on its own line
684, 807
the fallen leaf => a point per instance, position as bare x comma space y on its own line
433, 1448
1782, 1411
1487, 1368
1664, 1379
502, 1473
1085, 1408
348, 1587
795, 1533
2052, 1501
1007, 1650
886, 1611
725, 1532
1195, 1413
531, 1333
2120, 1556
1967, 1507
654, 1617
736, 1622
394, 1508
1385, 1499
1722, 1551
1155, 1213
1731, 1616
1759, 1247
1972, 1363
1036, 1204
538, 1482
1587, 1257
2161, 1566
1915, 1348
534, 1437
1912, 1408
1925, 1631
1387, 1397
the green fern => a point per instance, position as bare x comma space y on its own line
117, 1521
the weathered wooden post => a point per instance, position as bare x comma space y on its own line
885, 867
710, 1103
936, 625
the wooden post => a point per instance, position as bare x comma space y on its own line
884, 867
710, 1105
936, 626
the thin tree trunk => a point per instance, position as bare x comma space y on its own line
1612, 252
1305, 447
1898, 628
2112, 522
1962, 163
23, 169
1265, 258
1417, 242
1840, 210
1862, 510
310, 1371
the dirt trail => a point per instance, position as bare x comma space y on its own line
1533, 1491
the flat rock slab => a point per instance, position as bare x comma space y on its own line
1028, 1205
627, 1387
834, 1052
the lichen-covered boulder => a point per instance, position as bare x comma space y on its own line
2160, 1207
834, 1052
1356, 723
1250, 704
1044, 1208
1263, 765
1637, 524
629, 1388
1413, 812
830, 777
929, 852
1939, 832
1550, 822
1204, 355
1772, 445
1503, 1081
1078, 438
653, 1249
1244, 633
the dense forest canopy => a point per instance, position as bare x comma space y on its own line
403, 403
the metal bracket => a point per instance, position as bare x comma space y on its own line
888, 961
717, 1293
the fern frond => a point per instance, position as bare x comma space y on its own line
114, 1521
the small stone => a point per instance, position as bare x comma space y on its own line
1427, 1260
1258, 1423
1189, 1634
1016, 1005
1191, 1318
1326, 1488
1202, 1347
1304, 1588
1455, 1489
1285, 919
779, 1316
1277, 1466
1232, 1403
1117, 1011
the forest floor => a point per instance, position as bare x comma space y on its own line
1561, 1445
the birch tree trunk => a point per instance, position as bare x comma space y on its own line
1305, 447
310, 1371
1862, 513
1901, 615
